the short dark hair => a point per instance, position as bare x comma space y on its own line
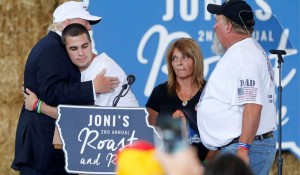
74, 29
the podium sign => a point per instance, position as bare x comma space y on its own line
92, 136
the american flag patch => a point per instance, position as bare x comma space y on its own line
247, 94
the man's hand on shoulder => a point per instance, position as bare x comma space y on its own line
104, 84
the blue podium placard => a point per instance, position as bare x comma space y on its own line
92, 136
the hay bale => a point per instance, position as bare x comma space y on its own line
8, 123
291, 165
10, 80
21, 28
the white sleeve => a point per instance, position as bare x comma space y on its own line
249, 82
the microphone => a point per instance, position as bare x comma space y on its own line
130, 81
281, 52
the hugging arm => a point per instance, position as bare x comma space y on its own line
31, 99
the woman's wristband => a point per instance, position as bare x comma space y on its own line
39, 106
34, 105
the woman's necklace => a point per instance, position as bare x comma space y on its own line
185, 102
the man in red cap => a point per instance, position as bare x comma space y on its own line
237, 112
50, 73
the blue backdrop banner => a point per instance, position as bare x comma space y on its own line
136, 34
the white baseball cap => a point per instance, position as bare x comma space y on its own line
71, 10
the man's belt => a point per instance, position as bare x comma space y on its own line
257, 137
264, 136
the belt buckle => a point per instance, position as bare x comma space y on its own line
261, 137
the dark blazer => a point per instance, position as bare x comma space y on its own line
49, 73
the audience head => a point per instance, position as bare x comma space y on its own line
138, 159
227, 164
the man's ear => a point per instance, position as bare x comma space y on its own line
228, 27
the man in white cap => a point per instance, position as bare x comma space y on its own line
50, 73
236, 112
